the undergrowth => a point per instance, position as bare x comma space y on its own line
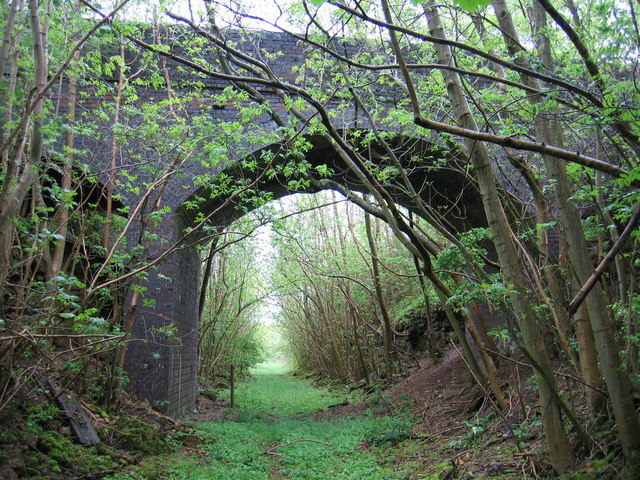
305, 448
272, 434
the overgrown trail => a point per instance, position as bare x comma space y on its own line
271, 434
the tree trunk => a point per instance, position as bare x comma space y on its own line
588, 358
69, 143
382, 303
561, 455
15, 195
581, 265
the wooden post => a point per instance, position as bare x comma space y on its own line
232, 386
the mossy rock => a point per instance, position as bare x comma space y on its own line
62, 452
138, 438
35, 465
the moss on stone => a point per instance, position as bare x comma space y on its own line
64, 453
138, 438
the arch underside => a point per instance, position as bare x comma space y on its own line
165, 371
437, 175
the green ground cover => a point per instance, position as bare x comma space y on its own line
271, 434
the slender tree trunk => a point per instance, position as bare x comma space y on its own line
431, 334
69, 144
352, 306
205, 279
543, 217
382, 302
110, 183
336, 354
599, 314
12, 203
561, 455
8, 31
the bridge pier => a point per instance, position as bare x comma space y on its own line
162, 355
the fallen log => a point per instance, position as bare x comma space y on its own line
72, 409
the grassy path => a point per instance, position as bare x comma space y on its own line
273, 436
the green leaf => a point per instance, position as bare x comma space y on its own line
472, 5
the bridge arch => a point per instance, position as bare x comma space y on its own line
163, 370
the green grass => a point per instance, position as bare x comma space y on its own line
272, 435
338, 455
271, 368
303, 447
277, 394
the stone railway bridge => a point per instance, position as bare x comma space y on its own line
164, 372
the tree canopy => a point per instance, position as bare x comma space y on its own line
533, 107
